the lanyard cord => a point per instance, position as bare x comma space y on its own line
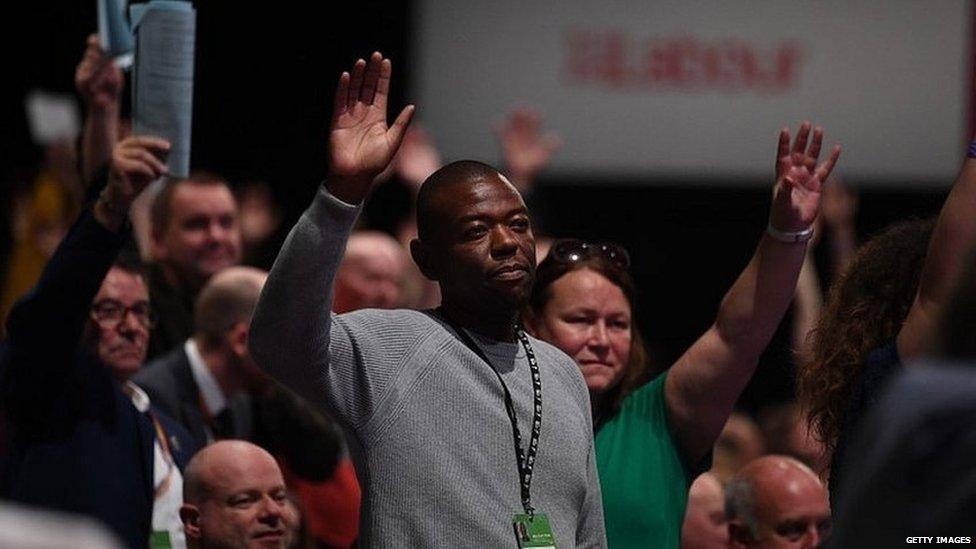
524, 461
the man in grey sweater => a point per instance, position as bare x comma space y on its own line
465, 432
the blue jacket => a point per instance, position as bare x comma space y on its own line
71, 439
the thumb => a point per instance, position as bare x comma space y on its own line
399, 127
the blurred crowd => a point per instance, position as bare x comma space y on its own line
136, 391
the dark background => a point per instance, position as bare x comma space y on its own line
264, 78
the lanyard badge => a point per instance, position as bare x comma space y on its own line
532, 528
534, 531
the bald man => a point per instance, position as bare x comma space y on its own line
777, 502
234, 496
370, 274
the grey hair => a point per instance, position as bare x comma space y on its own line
740, 496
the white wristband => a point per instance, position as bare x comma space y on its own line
789, 237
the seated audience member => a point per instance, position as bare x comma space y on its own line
235, 498
81, 437
652, 437
370, 274
705, 525
739, 443
883, 313
211, 385
424, 393
909, 468
776, 501
195, 232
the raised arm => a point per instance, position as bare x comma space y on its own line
99, 82
45, 327
291, 330
953, 240
703, 385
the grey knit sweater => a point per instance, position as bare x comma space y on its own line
425, 417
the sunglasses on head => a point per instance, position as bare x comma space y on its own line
573, 250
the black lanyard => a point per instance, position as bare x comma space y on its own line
525, 462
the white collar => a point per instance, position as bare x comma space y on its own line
139, 397
213, 397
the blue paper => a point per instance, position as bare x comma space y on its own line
162, 82
114, 32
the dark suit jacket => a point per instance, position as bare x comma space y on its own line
279, 421
73, 441
169, 382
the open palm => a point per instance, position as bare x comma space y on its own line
799, 179
361, 144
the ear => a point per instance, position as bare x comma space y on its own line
739, 534
237, 339
422, 257
190, 515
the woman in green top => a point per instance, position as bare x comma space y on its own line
651, 436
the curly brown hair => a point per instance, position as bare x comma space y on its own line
865, 308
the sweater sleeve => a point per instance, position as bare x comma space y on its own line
294, 335
590, 532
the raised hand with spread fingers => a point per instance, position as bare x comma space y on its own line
799, 179
361, 144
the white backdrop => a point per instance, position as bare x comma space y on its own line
700, 89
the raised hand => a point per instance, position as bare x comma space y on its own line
136, 162
361, 145
799, 179
525, 149
97, 79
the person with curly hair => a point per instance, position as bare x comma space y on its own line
882, 313
651, 437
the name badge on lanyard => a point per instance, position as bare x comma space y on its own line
533, 531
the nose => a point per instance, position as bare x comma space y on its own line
130, 322
503, 241
271, 510
598, 335
216, 231
812, 540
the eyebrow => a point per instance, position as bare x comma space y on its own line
482, 217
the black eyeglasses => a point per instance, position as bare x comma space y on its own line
108, 313
573, 250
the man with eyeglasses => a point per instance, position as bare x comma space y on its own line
79, 437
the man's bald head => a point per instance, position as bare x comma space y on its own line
431, 208
370, 273
217, 463
777, 501
234, 496
228, 299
